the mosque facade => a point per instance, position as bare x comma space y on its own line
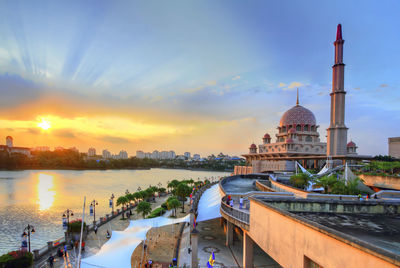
298, 135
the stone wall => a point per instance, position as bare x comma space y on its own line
387, 182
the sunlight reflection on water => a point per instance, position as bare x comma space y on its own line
44, 191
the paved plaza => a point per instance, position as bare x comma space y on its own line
212, 239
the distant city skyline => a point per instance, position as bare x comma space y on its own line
198, 77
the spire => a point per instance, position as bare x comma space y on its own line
297, 101
339, 32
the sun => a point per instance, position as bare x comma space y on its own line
43, 124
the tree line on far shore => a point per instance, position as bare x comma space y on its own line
70, 159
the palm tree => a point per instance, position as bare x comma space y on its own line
122, 200
173, 203
183, 190
300, 180
327, 182
144, 208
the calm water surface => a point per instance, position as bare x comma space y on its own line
39, 197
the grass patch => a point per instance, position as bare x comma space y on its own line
156, 212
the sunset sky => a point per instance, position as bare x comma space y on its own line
198, 76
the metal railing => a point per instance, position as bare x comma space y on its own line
238, 214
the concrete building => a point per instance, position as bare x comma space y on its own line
123, 155
10, 148
298, 229
187, 155
196, 157
394, 147
140, 154
92, 152
42, 149
298, 138
106, 154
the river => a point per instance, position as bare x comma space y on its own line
40, 197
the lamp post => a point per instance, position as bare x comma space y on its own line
93, 205
66, 214
112, 203
30, 229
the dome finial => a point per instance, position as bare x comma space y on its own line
297, 101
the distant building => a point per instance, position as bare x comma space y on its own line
394, 147
106, 154
92, 151
9, 147
187, 155
123, 155
155, 154
9, 141
140, 154
171, 155
196, 157
42, 149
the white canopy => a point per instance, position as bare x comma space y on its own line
117, 251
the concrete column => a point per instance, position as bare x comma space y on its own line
229, 233
315, 164
221, 221
194, 236
36, 254
50, 246
248, 245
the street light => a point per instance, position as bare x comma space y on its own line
66, 214
31, 230
93, 205
112, 203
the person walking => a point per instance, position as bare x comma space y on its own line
231, 203
95, 229
241, 202
65, 250
51, 261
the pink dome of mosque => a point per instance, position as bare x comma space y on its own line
297, 115
351, 144
267, 136
253, 146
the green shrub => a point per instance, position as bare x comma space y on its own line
75, 226
300, 180
16, 259
157, 212
164, 206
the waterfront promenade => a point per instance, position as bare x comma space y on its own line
95, 241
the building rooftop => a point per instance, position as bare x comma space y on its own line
382, 231
373, 225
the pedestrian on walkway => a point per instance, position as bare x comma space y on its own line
95, 229
231, 203
51, 261
65, 250
241, 202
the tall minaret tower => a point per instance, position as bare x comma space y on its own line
337, 131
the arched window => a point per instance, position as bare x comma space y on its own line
312, 128
298, 127
308, 139
306, 128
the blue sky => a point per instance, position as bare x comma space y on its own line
199, 76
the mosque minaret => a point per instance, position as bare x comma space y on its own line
337, 131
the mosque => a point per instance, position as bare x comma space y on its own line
298, 138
